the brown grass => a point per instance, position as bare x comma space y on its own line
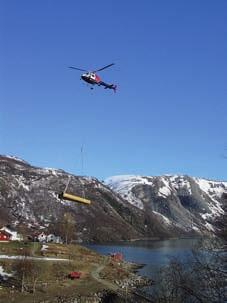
53, 280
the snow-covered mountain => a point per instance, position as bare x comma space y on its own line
177, 201
29, 201
124, 207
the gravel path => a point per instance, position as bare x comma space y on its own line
95, 274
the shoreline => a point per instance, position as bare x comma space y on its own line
152, 239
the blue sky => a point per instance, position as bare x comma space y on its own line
169, 114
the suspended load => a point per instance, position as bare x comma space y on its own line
73, 198
66, 196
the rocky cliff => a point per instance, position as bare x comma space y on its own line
179, 202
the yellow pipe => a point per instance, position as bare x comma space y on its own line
74, 198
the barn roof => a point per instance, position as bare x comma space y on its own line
3, 232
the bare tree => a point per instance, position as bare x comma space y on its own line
22, 267
28, 272
65, 227
35, 273
199, 279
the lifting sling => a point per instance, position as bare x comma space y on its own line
66, 196
73, 198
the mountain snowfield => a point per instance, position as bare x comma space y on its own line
183, 189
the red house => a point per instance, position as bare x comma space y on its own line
117, 257
4, 236
74, 275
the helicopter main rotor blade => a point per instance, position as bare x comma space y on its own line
82, 70
98, 70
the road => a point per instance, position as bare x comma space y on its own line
32, 258
95, 274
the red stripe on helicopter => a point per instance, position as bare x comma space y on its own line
97, 79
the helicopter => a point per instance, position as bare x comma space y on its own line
92, 78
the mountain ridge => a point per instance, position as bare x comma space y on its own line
204, 195
29, 200
148, 207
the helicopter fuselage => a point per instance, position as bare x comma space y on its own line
91, 78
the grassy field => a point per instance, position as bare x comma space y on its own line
49, 279
20, 248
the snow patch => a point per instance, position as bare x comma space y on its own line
165, 219
44, 247
195, 228
180, 182
4, 274
214, 190
123, 186
16, 158
165, 190
21, 183
209, 227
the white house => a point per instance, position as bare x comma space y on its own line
42, 237
54, 239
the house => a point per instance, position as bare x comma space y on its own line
117, 257
4, 236
54, 239
14, 236
74, 275
42, 237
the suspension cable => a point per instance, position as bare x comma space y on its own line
82, 172
66, 187
82, 168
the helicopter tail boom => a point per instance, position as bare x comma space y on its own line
110, 86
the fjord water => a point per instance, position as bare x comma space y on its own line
153, 254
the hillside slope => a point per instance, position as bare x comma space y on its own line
122, 208
29, 200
